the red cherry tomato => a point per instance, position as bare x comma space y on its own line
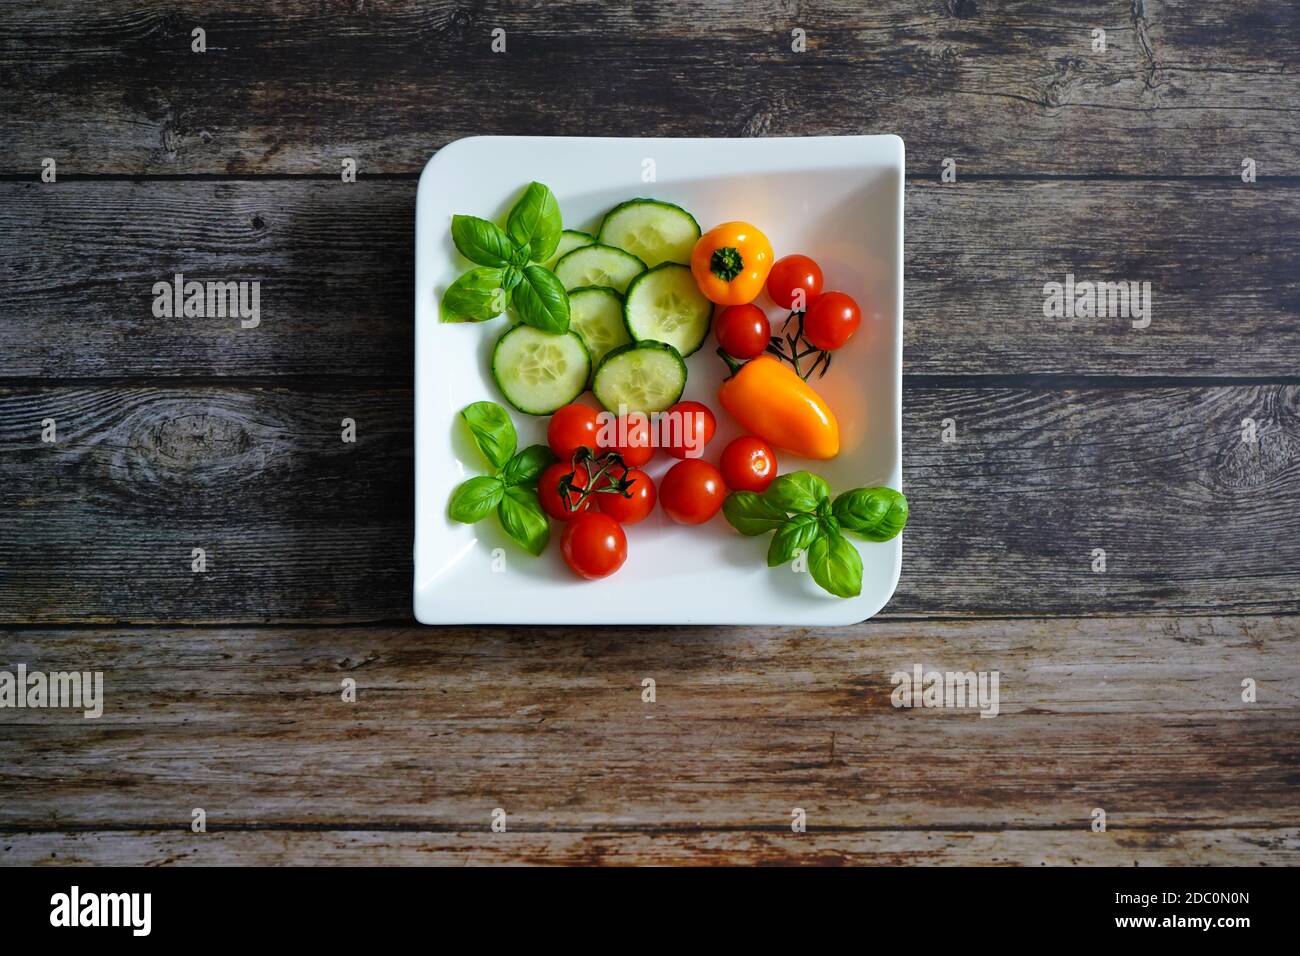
571, 426
743, 330
548, 491
748, 464
831, 320
690, 427
637, 450
794, 282
629, 510
692, 491
593, 545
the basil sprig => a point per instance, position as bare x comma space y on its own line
798, 507
507, 274
511, 490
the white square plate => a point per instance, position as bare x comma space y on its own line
838, 199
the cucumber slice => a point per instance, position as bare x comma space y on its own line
651, 230
665, 305
596, 314
570, 239
641, 377
598, 265
539, 372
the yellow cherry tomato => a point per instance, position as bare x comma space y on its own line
731, 263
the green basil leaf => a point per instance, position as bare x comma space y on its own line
749, 514
836, 565
527, 466
493, 431
535, 222
522, 518
511, 277
877, 514
481, 241
799, 533
474, 500
477, 295
541, 301
799, 491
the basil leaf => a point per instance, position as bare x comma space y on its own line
541, 301
797, 534
511, 277
477, 295
474, 500
527, 466
522, 518
535, 222
520, 257
878, 514
481, 241
798, 491
836, 565
750, 514
493, 431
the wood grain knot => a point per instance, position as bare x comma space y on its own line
194, 441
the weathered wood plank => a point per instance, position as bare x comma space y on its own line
1269, 847
334, 263
295, 523
1142, 718
335, 266
299, 526
296, 85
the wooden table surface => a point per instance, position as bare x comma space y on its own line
1121, 690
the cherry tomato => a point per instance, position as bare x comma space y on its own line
593, 545
794, 282
692, 491
743, 330
690, 427
548, 491
571, 426
831, 320
634, 509
748, 464
638, 450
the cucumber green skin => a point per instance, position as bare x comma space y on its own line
496, 377
604, 290
554, 261
600, 233
631, 346
600, 245
628, 322
598, 288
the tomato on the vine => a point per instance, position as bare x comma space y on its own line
572, 426
629, 510
692, 491
690, 427
743, 331
748, 464
593, 545
794, 282
548, 491
831, 320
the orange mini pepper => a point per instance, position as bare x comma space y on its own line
768, 398
730, 263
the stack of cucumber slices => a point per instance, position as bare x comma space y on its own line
634, 313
